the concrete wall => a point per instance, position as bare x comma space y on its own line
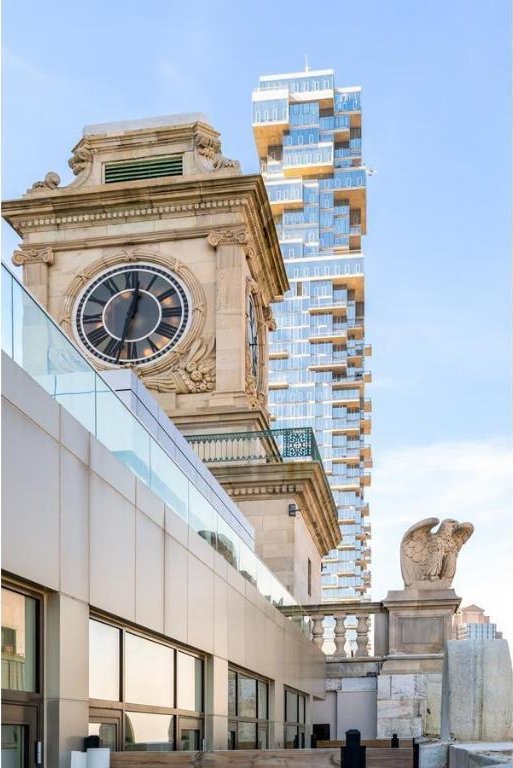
286, 545
78, 523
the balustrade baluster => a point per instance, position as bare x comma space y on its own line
340, 633
317, 631
361, 636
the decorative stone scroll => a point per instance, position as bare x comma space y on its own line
50, 181
428, 560
228, 237
33, 256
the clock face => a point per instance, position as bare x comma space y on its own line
132, 314
252, 331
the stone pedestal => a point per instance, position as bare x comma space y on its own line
420, 620
410, 681
476, 695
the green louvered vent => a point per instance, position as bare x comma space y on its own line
148, 168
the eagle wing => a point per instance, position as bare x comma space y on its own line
419, 551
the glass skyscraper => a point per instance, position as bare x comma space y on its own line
309, 138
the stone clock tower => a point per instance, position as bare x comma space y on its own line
162, 257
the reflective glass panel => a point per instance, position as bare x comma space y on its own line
148, 672
7, 312
103, 661
291, 737
121, 433
168, 481
202, 516
190, 736
291, 707
232, 694
302, 709
247, 696
189, 684
262, 700
13, 746
19, 641
147, 732
106, 732
247, 735
262, 737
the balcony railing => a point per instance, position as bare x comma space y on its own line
264, 446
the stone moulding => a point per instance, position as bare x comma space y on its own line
187, 367
306, 480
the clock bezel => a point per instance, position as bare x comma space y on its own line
121, 268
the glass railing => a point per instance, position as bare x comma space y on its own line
33, 340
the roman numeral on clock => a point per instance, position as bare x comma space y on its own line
97, 336
166, 294
93, 318
171, 311
164, 329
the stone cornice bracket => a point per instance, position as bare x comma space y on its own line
33, 256
81, 158
208, 151
50, 181
269, 319
228, 237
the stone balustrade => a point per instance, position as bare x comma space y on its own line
342, 629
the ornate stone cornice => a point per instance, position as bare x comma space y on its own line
33, 256
304, 480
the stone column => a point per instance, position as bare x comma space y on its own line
216, 704
230, 316
67, 677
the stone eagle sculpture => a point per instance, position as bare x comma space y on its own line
428, 556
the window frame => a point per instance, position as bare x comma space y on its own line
118, 709
234, 720
299, 726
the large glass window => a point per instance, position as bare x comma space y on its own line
189, 682
149, 672
19, 642
151, 693
103, 661
248, 710
295, 718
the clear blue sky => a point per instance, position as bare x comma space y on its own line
436, 98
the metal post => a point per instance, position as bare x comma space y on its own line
394, 741
353, 754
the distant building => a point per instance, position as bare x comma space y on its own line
308, 134
471, 623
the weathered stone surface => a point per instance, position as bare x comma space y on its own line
359, 684
479, 755
476, 691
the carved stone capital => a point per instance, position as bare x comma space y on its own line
228, 237
33, 256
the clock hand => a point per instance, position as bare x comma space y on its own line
132, 310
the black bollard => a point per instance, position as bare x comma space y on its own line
313, 741
394, 741
353, 754
415, 753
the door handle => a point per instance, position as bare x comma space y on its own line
38, 752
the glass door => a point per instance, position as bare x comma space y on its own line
19, 734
